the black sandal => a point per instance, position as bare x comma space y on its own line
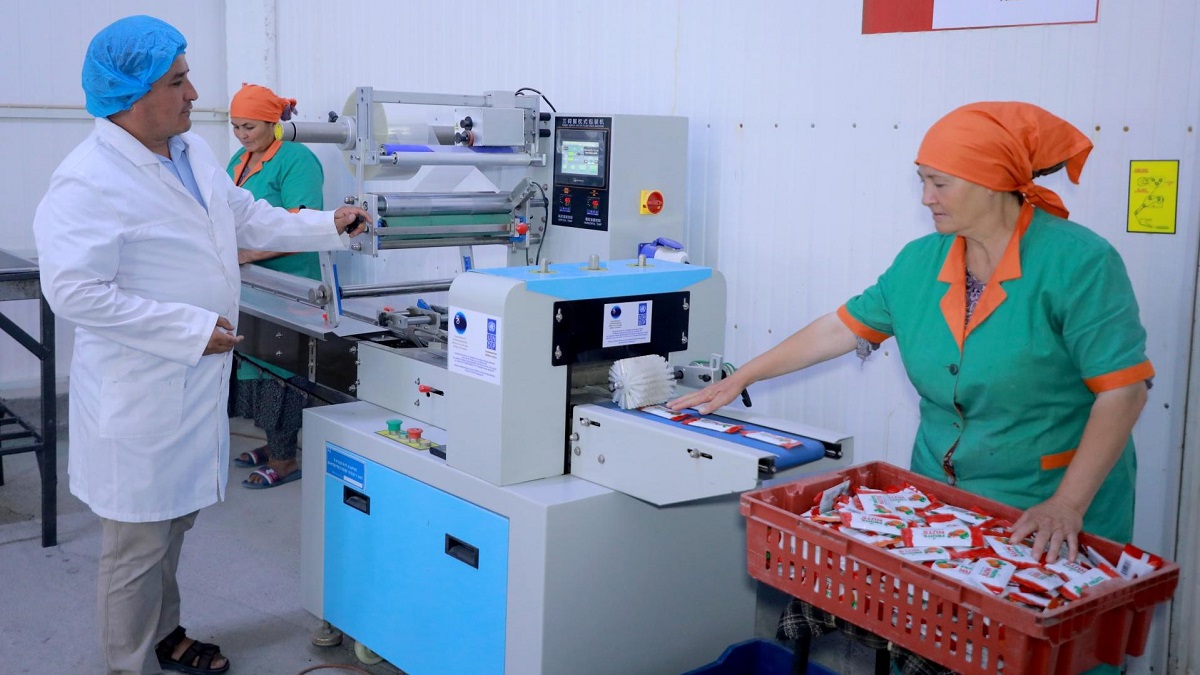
196, 659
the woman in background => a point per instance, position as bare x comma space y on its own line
286, 175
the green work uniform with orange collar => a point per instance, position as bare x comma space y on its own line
1011, 392
288, 176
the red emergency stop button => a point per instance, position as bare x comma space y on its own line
652, 202
522, 228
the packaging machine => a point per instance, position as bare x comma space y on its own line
483, 506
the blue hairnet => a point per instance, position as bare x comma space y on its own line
124, 59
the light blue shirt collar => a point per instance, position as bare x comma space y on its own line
181, 166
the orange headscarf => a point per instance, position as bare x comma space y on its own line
255, 102
1001, 145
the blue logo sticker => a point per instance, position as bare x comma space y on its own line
616, 312
460, 322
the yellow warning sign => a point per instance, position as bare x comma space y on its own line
1153, 195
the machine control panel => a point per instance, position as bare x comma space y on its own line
581, 172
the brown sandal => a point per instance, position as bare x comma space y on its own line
197, 659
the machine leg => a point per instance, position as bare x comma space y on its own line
883, 661
326, 636
800, 655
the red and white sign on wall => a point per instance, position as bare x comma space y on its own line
906, 16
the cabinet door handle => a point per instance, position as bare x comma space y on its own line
462, 551
356, 500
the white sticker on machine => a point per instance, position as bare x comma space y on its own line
627, 323
474, 344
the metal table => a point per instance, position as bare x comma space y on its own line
19, 281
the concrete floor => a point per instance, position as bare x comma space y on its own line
239, 576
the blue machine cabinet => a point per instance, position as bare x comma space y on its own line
414, 573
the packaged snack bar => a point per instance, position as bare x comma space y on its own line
993, 573
965, 515
911, 496
872, 523
955, 569
665, 412
869, 538
1068, 570
714, 425
1134, 562
828, 498
876, 503
773, 439
922, 553
1038, 580
941, 536
1018, 554
1074, 588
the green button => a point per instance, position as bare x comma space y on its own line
394, 426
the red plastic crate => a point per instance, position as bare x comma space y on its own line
970, 631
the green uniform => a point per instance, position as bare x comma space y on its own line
289, 176
1011, 393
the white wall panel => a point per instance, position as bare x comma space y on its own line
42, 118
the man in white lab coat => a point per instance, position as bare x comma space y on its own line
138, 238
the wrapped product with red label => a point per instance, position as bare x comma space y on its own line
966, 515
941, 536
955, 569
870, 523
826, 500
876, 503
993, 573
870, 538
1038, 580
922, 553
911, 496
1134, 562
1018, 554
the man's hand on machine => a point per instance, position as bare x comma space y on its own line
350, 220
715, 395
222, 339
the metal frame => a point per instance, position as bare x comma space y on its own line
23, 284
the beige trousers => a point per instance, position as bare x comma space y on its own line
138, 593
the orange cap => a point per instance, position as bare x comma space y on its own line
255, 102
1002, 145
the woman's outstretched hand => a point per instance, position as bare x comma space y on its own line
708, 399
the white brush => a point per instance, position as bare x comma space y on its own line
641, 381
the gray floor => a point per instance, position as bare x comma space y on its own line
239, 576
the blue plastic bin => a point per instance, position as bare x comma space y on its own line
755, 657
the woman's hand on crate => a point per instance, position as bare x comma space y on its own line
1052, 522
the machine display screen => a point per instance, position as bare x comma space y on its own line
580, 157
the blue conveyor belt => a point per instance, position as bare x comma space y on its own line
809, 450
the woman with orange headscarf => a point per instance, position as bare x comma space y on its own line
1018, 328
286, 175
